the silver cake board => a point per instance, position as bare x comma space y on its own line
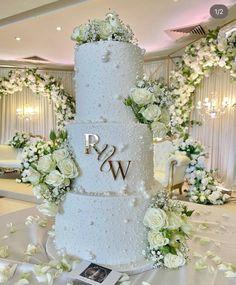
130, 269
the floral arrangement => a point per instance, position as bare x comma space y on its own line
202, 184
150, 100
217, 49
64, 105
112, 28
168, 231
19, 140
50, 168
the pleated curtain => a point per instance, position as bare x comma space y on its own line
218, 135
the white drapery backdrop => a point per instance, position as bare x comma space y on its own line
40, 124
219, 135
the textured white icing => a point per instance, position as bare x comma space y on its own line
136, 138
102, 221
106, 230
101, 85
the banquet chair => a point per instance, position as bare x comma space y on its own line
169, 168
10, 157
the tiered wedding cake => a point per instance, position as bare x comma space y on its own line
102, 220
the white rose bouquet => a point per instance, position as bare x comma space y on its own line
150, 101
20, 140
169, 228
112, 28
202, 184
50, 168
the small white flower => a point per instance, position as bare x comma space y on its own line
33, 176
32, 249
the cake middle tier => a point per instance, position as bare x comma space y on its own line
113, 157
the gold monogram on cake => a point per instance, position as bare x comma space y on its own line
104, 155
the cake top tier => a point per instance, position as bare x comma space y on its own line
107, 64
112, 28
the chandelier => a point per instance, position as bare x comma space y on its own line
213, 107
27, 112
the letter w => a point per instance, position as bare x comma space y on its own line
119, 169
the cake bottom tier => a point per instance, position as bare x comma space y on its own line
104, 229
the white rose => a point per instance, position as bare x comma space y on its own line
215, 195
205, 181
48, 209
80, 33
201, 161
173, 260
156, 239
174, 221
33, 176
105, 30
151, 112
46, 164
60, 154
142, 96
68, 168
55, 178
155, 219
39, 189
225, 197
159, 129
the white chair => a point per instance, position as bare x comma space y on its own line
169, 169
10, 157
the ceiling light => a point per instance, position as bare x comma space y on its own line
17, 38
58, 28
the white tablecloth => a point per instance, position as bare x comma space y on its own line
215, 230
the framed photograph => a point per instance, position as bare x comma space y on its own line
94, 274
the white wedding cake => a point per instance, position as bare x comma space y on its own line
102, 220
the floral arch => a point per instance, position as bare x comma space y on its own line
41, 84
217, 49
